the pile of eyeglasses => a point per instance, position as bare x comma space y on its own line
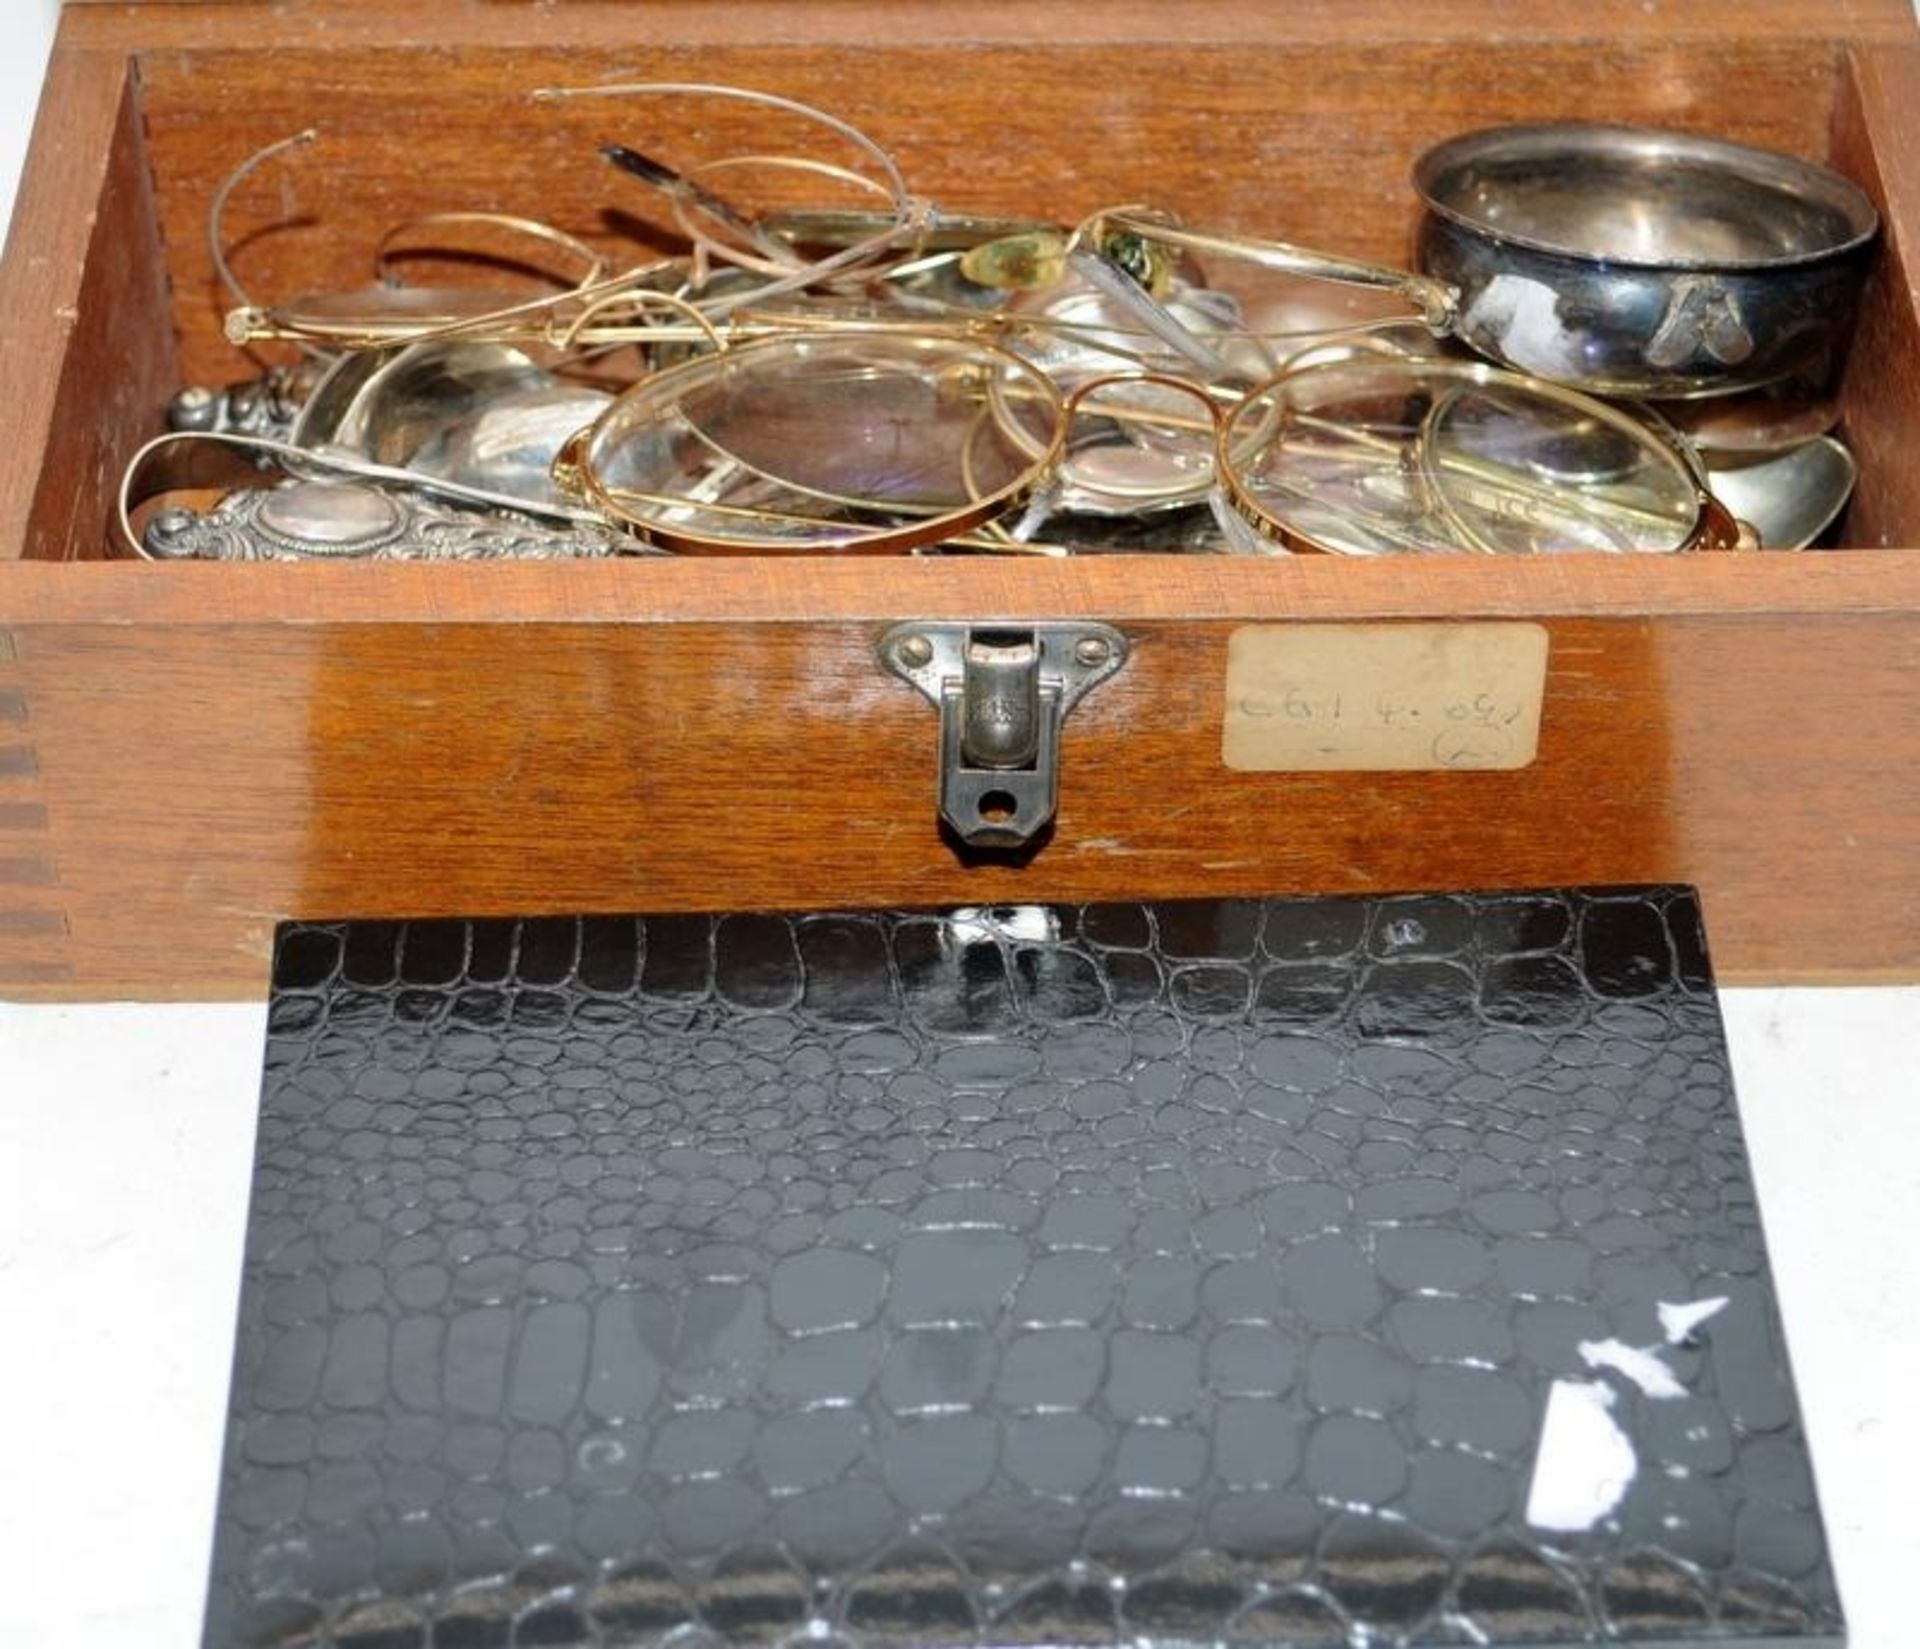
820, 361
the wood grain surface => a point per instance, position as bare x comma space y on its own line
33, 923
1877, 141
86, 348
188, 754
1506, 24
473, 759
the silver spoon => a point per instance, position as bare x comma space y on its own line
1790, 498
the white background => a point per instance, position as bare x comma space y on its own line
126, 1139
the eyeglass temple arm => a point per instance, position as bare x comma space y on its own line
1437, 301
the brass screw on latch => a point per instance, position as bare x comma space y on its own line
1092, 651
914, 651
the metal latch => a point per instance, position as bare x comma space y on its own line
1002, 692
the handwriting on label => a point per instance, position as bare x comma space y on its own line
1308, 698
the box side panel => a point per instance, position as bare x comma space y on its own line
1877, 141
87, 348
120, 364
203, 781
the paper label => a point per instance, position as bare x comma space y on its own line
1383, 698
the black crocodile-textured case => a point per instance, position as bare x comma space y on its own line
1313, 1271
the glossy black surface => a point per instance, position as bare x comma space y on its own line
1147, 1273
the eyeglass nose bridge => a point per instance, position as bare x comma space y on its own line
1210, 429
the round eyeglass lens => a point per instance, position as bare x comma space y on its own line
827, 441
1387, 457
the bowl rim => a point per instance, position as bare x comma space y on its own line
1648, 147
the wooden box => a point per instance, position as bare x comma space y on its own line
190, 752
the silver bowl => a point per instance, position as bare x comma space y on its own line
1641, 262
